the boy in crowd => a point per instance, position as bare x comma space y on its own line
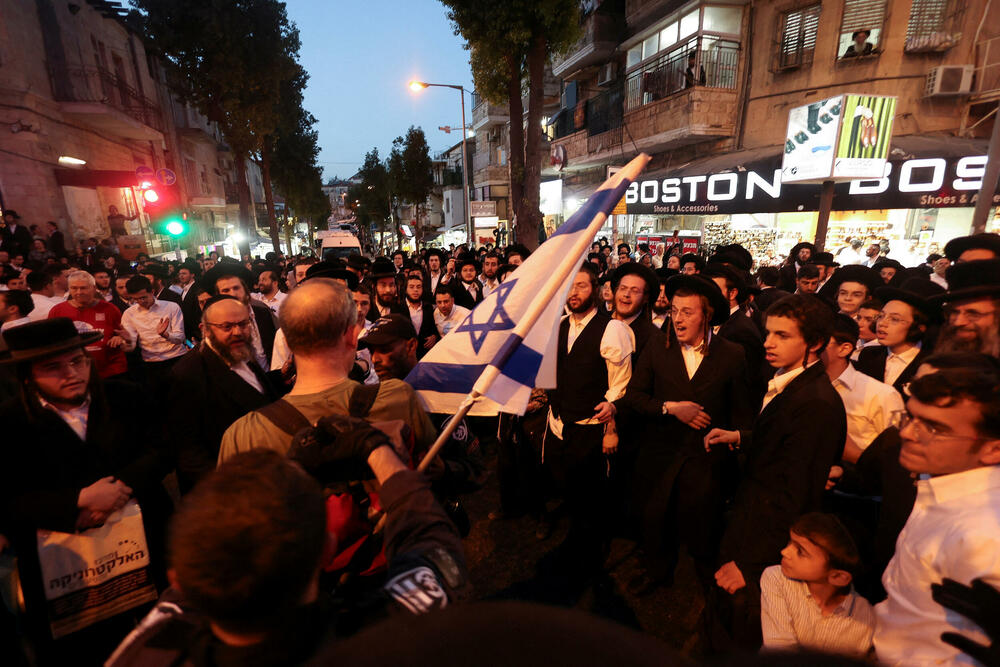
808, 601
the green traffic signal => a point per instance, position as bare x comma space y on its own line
175, 228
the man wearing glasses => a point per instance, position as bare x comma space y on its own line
951, 438
971, 305
214, 385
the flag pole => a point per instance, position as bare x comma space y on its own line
571, 260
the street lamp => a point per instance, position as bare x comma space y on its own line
417, 86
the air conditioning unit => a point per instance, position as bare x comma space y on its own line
949, 80
608, 74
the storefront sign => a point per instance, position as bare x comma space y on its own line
483, 209
913, 183
838, 138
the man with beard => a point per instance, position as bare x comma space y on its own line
386, 298
432, 276
102, 279
798, 256
807, 280
678, 388
593, 367
421, 314
212, 386
490, 280
232, 278
632, 285
972, 308
661, 307
269, 289
468, 291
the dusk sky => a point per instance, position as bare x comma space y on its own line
360, 56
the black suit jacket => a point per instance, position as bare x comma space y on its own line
871, 362
645, 331
740, 329
427, 328
394, 309
787, 277
462, 296
267, 325
793, 443
205, 398
192, 313
167, 294
16, 242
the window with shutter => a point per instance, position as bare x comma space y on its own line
933, 25
798, 37
861, 16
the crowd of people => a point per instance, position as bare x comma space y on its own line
820, 438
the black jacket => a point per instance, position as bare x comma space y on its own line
462, 295
46, 465
740, 329
794, 442
427, 328
205, 398
167, 294
394, 309
788, 277
16, 242
266, 325
645, 331
871, 362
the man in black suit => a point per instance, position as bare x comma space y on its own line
632, 286
467, 289
214, 384
421, 314
677, 389
795, 440
232, 278
901, 328
797, 257
386, 302
435, 260
15, 238
739, 327
186, 288
659, 311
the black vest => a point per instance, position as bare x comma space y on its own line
582, 374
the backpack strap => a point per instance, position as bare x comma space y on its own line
285, 416
362, 399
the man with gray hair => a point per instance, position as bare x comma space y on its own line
318, 320
89, 311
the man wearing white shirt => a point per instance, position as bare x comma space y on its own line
270, 294
869, 403
15, 308
42, 294
951, 438
447, 315
489, 278
157, 327
593, 367
900, 328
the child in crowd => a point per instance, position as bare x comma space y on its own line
808, 601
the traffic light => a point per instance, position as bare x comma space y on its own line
161, 204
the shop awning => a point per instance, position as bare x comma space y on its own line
924, 172
96, 178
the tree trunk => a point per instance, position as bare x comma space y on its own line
399, 228
515, 160
246, 226
532, 217
288, 232
265, 175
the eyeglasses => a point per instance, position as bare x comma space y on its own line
79, 364
229, 326
686, 313
634, 291
925, 431
971, 315
892, 319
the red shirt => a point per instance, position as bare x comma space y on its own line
102, 316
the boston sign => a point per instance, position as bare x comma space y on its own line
913, 183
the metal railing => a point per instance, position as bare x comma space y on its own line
605, 113
715, 67
75, 83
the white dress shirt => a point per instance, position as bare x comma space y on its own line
953, 531
141, 324
242, 369
182, 289
790, 618
416, 314
940, 280
895, 364
75, 418
274, 302
15, 323
658, 320
446, 324
617, 345
693, 356
869, 405
489, 286
781, 379
435, 278
43, 304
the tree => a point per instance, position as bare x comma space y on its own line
371, 198
411, 174
510, 42
228, 58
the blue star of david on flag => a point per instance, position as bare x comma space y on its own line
498, 320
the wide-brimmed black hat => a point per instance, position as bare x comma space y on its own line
740, 279
887, 263
985, 241
793, 254
972, 280
358, 262
335, 271
824, 259
700, 285
44, 338
155, 269
388, 330
383, 267
664, 274
918, 292
852, 273
733, 254
636, 269
466, 258
11, 212
225, 268
436, 252
854, 35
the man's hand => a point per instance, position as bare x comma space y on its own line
162, 328
980, 604
729, 578
120, 339
836, 472
104, 495
429, 343
690, 413
605, 412
610, 442
719, 436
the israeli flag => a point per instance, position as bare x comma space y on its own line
507, 346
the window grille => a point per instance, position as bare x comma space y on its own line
798, 37
933, 25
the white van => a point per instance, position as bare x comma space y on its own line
338, 243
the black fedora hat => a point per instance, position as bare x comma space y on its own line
44, 338
739, 279
358, 262
852, 273
705, 287
733, 254
824, 259
383, 267
11, 212
867, 33
435, 252
155, 269
335, 271
636, 269
983, 241
972, 280
465, 259
917, 292
226, 268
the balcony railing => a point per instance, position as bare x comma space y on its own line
450, 177
74, 83
605, 112
715, 67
